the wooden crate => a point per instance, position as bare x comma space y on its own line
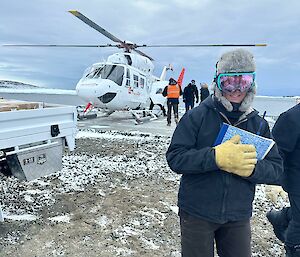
12, 105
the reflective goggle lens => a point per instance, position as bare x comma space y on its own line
236, 81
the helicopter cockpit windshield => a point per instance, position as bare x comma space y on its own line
108, 71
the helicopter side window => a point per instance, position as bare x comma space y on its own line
142, 82
128, 78
135, 81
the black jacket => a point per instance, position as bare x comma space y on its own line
204, 93
205, 190
190, 92
286, 133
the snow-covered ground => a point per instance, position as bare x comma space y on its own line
115, 196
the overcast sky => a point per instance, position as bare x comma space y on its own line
274, 22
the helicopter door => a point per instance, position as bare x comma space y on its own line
144, 89
136, 89
129, 92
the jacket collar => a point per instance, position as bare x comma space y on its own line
249, 113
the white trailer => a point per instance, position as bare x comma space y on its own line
33, 137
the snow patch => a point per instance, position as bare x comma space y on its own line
28, 217
62, 218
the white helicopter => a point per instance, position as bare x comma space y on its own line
125, 81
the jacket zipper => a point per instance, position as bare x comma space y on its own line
238, 123
227, 178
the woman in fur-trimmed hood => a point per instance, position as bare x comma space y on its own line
218, 182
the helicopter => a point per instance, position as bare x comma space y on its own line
125, 81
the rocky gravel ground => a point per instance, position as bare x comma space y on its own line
115, 196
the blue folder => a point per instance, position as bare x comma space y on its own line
262, 144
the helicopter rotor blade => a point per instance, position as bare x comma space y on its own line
54, 45
136, 46
95, 26
123, 44
203, 45
143, 54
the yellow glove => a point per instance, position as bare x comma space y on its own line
273, 192
234, 157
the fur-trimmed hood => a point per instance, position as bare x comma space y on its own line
238, 60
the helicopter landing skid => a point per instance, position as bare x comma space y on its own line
141, 116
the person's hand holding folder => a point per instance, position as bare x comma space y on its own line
234, 157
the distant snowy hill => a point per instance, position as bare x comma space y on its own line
16, 85
27, 92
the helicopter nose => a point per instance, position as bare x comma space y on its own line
102, 90
86, 90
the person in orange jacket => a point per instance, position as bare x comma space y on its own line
172, 92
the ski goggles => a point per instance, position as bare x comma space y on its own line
230, 82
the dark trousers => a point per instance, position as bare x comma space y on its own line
189, 105
293, 229
287, 222
233, 239
171, 106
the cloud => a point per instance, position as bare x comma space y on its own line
268, 61
149, 22
149, 6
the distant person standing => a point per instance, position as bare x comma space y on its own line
190, 93
286, 222
204, 92
172, 92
